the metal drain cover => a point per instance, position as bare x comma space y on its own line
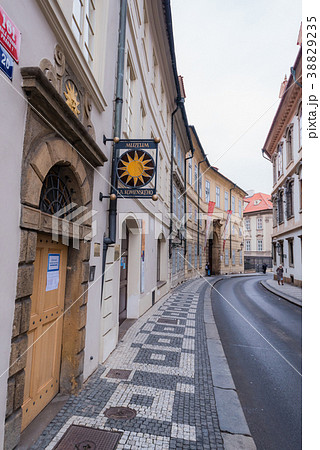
78, 437
171, 321
120, 413
121, 374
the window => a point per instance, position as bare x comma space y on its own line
259, 223
158, 259
190, 256
280, 207
174, 200
178, 155
248, 245
174, 144
195, 214
275, 211
240, 208
233, 229
217, 197
233, 204
83, 26
289, 199
129, 96
200, 256
300, 125
207, 191
289, 144
240, 257
280, 159
190, 210
291, 252
226, 201
200, 184
274, 163
226, 257
259, 245
196, 177
190, 172
248, 224
233, 257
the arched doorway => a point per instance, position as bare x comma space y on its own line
48, 334
60, 197
130, 269
214, 254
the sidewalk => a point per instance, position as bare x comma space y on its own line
289, 292
167, 385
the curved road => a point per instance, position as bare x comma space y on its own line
261, 337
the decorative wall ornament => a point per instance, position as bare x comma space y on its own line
69, 87
71, 96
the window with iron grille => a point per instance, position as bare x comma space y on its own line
289, 199
280, 207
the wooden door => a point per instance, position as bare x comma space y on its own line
45, 330
123, 278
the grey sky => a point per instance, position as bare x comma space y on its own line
233, 56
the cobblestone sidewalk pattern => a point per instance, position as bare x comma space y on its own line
169, 382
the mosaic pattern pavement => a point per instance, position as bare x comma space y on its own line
169, 384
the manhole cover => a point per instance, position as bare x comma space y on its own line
171, 321
78, 437
120, 413
121, 374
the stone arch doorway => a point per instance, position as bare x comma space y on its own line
53, 177
130, 269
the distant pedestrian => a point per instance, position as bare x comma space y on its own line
264, 267
280, 274
208, 269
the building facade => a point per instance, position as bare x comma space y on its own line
284, 148
220, 234
80, 257
258, 227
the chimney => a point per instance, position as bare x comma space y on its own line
181, 84
283, 86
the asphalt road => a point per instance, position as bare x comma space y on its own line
261, 337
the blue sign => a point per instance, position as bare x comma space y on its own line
6, 62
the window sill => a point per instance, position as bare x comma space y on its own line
160, 284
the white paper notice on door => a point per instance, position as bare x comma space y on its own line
53, 271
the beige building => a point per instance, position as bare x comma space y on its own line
223, 248
283, 146
258, 228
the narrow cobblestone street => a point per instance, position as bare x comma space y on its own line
165, 360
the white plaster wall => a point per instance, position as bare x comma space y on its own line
27, 17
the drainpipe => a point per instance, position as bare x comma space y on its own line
111, 239
231, 189
198, 221
185, 200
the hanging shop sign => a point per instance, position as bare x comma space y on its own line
10, 36
137, 168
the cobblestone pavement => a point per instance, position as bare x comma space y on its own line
169, 382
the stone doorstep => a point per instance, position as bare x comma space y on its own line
31, 434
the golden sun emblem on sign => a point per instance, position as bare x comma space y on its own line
71, 98
135, 168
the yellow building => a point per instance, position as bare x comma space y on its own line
211, 239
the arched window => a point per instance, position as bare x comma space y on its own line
55, 195
280, 159
289, 152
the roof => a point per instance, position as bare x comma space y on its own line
258, 202
214, 169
